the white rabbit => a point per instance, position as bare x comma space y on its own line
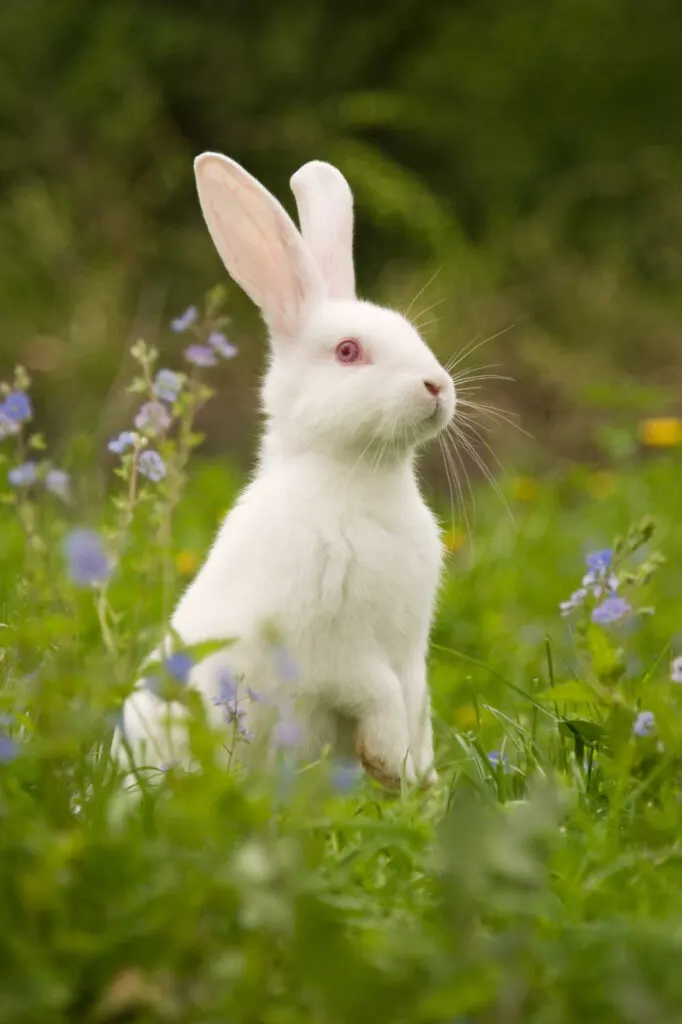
331, 544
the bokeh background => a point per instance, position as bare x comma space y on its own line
519, 161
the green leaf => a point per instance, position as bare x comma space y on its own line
589, 733
570, 692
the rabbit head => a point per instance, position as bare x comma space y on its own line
345, 376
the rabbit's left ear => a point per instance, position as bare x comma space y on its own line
325, 210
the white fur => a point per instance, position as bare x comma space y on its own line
331, 544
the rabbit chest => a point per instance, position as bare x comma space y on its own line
358, 568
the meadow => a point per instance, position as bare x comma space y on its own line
539, 882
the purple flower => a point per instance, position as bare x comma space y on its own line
200, 355
24, 475
285, 665
599, 561
8, 749
576, 599
152, 466
179, 666
17, 407
58, 482
644, 724
227, 688
183, 322
87, 560
676, 670
345, 775
167, 385
253, 696
287, 732
121, 443
611, 610
227, 700
154, 418
498, 759
222, 346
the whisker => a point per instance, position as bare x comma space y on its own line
462, 352
485, 469
441, 443
481, 376
493, 412
414, 320
470, 350
467, 371
422, 327
469, 425
455, 455
422, 290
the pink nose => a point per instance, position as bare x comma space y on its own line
433, 389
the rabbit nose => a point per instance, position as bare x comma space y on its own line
433, 389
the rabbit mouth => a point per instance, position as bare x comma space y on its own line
438, 419
429, 426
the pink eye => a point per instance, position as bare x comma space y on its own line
349, 351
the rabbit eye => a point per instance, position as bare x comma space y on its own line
349, 351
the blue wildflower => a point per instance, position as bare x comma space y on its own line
152, 466
179, 666
611, 610
345, 775
24, 475
599, 561
644, 724
87, 560
167, 385
676, 670
287, 732
8, 749
17, 407
183, 322
200, 355
154, 418
121, 443
286, 667
498, 759
227, 688
228, 701
58, 482
576, 600
221, 345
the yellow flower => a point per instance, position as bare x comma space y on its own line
454, 539
186, 563
465, 717
661, 431
524, 488
601, 484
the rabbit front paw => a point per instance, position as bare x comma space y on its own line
387, 769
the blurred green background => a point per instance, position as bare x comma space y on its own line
527, 154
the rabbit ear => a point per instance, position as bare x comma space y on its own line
325, 210
258, 242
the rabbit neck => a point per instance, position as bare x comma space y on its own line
376, 468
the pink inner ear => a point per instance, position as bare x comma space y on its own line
259, 245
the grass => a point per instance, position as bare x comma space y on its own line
541, 885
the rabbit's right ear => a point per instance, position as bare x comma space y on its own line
258, 242
325, 211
